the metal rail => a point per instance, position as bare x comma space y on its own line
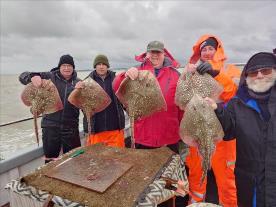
17, 121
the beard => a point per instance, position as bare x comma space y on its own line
261, 85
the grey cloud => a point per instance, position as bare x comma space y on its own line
34, 34
35, 19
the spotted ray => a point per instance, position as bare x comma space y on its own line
189, 84
91, 99
200, 127
141, 97
42, 100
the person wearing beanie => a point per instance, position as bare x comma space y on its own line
209, 57
66, 59
60, 130
250, 117
107, 125
101, 59
211, 43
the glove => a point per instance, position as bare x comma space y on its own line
207, 68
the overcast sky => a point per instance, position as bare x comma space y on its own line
34, 34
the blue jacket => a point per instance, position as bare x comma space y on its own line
255, 170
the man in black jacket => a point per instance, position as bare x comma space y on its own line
59, 129
251, 118
107, 125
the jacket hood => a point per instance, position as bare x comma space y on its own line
219, 57
242, 85
168, 58
54, 69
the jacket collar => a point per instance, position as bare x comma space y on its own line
109, 73
243, 95
173, 62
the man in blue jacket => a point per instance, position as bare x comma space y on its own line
251, 118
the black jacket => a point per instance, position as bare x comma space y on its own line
69, 116
112, 117
255, 169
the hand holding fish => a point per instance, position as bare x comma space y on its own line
42, 97
190, 68
36, 81
79, 85
211, 103
132, 73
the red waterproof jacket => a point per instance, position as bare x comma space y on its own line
161, 128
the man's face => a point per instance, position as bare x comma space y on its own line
156, 58
261, 80
207, 53
101, 69
66, 71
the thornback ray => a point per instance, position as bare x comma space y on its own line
199, 126
44, 99
194, 83
91, 99
141, 97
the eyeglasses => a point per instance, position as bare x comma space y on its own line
65, 66
264, 71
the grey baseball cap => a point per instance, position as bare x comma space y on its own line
155, 46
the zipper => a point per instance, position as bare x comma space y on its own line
105, 127
64, 102
117, 106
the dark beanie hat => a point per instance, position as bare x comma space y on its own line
66, 59
209, 42
261, 60
101, 59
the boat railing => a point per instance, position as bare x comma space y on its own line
17, 121
33, 152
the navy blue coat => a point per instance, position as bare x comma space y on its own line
112, 117
255, 169
69, 116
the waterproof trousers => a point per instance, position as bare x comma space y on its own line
55, 138
113, 138
222, 163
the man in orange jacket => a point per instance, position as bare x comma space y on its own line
208, 57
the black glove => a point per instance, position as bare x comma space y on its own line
207, 68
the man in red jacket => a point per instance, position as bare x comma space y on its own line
161, 128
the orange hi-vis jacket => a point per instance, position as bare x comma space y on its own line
223, 159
